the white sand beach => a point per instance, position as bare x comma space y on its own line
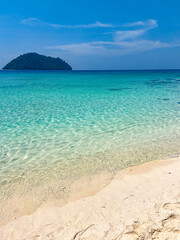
140, 203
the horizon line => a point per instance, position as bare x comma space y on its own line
151, 69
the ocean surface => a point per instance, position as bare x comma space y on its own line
56, 127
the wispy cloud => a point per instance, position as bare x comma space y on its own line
92, 25
123, 35
30, 21
125, 38
131, 34
123, 42
111, 48
81, 48
149, 24
36, 21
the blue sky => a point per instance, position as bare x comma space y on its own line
96, 34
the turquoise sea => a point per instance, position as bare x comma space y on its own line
56, 127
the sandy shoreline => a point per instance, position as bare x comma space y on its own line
141, 202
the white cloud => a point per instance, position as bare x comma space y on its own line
149, 24
35, 21
123, 42
30, 21
127, 38
92, 25
81, 48
138, 23
122, 35
130, 34
111, 48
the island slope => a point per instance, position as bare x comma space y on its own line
35, 61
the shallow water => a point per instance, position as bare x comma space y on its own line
59, 126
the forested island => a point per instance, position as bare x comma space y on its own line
35, 61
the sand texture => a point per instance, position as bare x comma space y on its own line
140, 203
